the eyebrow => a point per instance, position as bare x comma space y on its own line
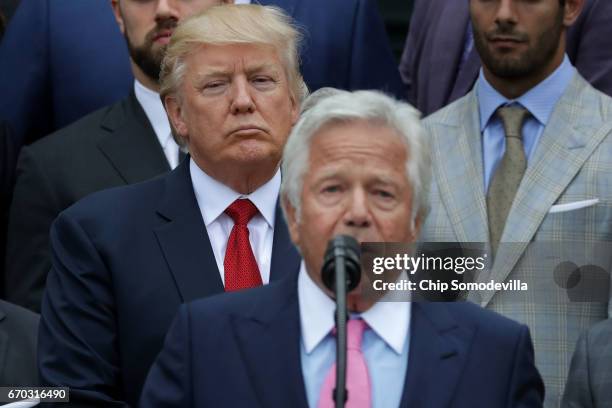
221, 72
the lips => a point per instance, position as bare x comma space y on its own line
162, 36
248, 129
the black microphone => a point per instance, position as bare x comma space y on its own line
341, 273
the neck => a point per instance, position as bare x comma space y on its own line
513, 88
144, 79
243, 179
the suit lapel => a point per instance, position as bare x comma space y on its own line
459, 171
438, 352
269, 341
131, 145
285, 257
184, 240
450, 41
568, 140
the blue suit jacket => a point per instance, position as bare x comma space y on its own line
123, 260
62, 59
243, 350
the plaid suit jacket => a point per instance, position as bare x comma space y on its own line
572, 164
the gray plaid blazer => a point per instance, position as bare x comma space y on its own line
572, 164
590, 379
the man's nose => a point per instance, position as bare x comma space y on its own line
358, 211
167, 9
242, 100
506, 12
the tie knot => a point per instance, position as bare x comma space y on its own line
241, 211
354, 329
513, 117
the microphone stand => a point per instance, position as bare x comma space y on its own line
341, 273
340, 392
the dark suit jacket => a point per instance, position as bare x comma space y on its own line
435, 43
7, 179
243, 350
589, 384
123, 261
111, 147
61, 59
18, 333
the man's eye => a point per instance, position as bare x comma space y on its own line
263, 82
213, 85
384, 194
331, 189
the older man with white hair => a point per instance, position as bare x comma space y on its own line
355, 164
125, 259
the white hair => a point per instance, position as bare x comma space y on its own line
327, 106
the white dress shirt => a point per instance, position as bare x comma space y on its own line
214, 197
154, 109
242, 1
385, 344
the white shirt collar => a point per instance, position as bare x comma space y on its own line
205, 187
389, 320
154, 109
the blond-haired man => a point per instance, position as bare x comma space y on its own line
125, 259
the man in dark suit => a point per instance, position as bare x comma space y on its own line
18, 334
125, 259
124, 143
589, 383
275, 347
62, 59
440, 63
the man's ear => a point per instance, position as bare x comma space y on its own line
118, 17
573, 8
175, 115
292, 220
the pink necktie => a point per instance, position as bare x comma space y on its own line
357, 378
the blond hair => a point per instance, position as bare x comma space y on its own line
234, 24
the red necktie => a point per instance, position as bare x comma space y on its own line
241, 271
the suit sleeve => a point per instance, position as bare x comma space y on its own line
578, 387
77, 344
34, 207
168, 383
24, 71
526, 387
589, 44
373, 65
407, 66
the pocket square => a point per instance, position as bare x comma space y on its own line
576, 205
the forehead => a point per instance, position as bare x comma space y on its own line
213, 58
357, 145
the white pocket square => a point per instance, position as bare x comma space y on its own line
576, 205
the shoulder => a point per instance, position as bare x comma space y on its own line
19, 320
454, 113
598, 337
123, 197
257, 303
491, 327
79, 136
